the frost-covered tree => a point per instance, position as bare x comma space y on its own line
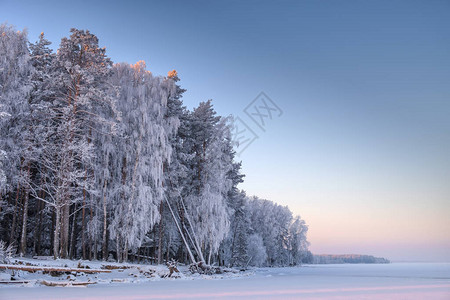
239, 233
284, 237
15, 87
39, 129
234, 249
80, 81
256, 250
175, 173
104, 159
209, 141
144, 148
298, 244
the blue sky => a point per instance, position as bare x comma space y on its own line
361, 150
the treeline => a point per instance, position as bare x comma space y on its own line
348, 259
102, 161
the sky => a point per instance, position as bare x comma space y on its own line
359, 142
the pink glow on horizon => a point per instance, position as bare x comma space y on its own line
437, 291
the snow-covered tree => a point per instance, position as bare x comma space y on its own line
105, 159
234, 249
284, 237
298, 244
15, 87
175, 172
256, 250
80, 83
209, 142
144, 148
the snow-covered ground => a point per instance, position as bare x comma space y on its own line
384, 281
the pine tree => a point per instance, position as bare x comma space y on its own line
81, 73
240, 224
175, 171
210, 143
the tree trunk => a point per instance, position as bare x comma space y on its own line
52, 236
105, 228
65, 229
196, 240
191, 256
36, 228
23, 238
83, 222
12, 235
91, 215
57, 232
209, 256
118, 250
125, 252
160, 236
38, 231
95, 247
72, 251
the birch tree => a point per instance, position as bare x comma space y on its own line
15, 87
144, 148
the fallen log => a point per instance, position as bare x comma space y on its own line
51, 269
14, 281
66, 283
43, 257
115, 267
147, 257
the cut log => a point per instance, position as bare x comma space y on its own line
51, 269
67, 283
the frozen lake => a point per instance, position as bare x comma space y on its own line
390, 281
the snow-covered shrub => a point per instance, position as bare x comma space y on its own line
257, 250
202, 268
6, 252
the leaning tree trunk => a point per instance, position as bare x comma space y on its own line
196, 240
191, 256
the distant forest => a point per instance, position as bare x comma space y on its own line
348, 259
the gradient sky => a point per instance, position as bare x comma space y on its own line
362, 148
